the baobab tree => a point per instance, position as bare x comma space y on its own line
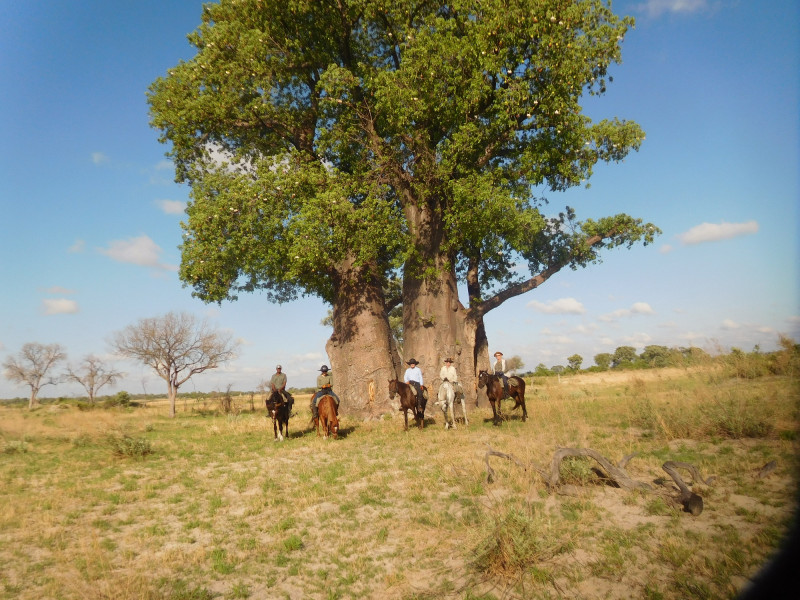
32, 365
92, 374
176, 346
378, 153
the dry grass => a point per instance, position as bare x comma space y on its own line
216, 509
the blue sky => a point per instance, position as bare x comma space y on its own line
90, 213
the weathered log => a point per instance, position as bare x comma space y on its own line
617, 474
692, 503
490, 470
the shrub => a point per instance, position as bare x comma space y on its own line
123, 445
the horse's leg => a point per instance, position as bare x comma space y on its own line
405, 416
450, 412
495, 412
464, 411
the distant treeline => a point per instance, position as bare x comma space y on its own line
785, 361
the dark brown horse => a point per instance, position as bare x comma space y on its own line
496, 392
328, 422
408, 401
278, 408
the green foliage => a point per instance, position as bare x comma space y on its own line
575, 362
623, 355
122, 398
603, 360
125, 446
309, 133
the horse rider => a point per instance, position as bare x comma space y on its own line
413, 377
324, 388
500, 369
448, 373
278, 384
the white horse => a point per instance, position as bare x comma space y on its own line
447, 397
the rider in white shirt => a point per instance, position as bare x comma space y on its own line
501, 370
448, 373
413, 377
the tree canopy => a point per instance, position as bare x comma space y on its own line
333, 145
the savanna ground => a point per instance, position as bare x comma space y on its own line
127, 503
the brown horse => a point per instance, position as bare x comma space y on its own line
408, 401
328, 422
496, 392
278, 408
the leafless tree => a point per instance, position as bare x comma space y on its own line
92, 374
177, 346
31, 366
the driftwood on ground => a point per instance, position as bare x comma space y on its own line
692, 502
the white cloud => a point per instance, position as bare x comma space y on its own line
99, 158
642, 308
59, 306
714, 232
637, 308
638, 340
171, 207
562, 306
665, 249
57, 289
164, 165
138, 251
729, 324
78, 246
655, 8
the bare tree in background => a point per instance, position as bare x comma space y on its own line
31, 366
176, 346
92, 374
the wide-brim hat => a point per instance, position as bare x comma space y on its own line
412, 361
324, 368
278, 367
448, 359
498, 353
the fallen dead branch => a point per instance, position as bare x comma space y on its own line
692, 502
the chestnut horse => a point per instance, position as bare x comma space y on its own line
496, 392
408, 401
328, 422
278, 408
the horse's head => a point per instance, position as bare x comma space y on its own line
392, 388
483, 378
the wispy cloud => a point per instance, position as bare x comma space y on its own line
562, 306
637, 308
138, 251
99, 158
714, 232
78, 246
57, 289
656, 8
730, 324
171, 207
59, 306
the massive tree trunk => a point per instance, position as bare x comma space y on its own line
361, 349
435, 323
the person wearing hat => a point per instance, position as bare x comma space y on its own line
278, 384
500, 369
324, 388
448, 373
413, 377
